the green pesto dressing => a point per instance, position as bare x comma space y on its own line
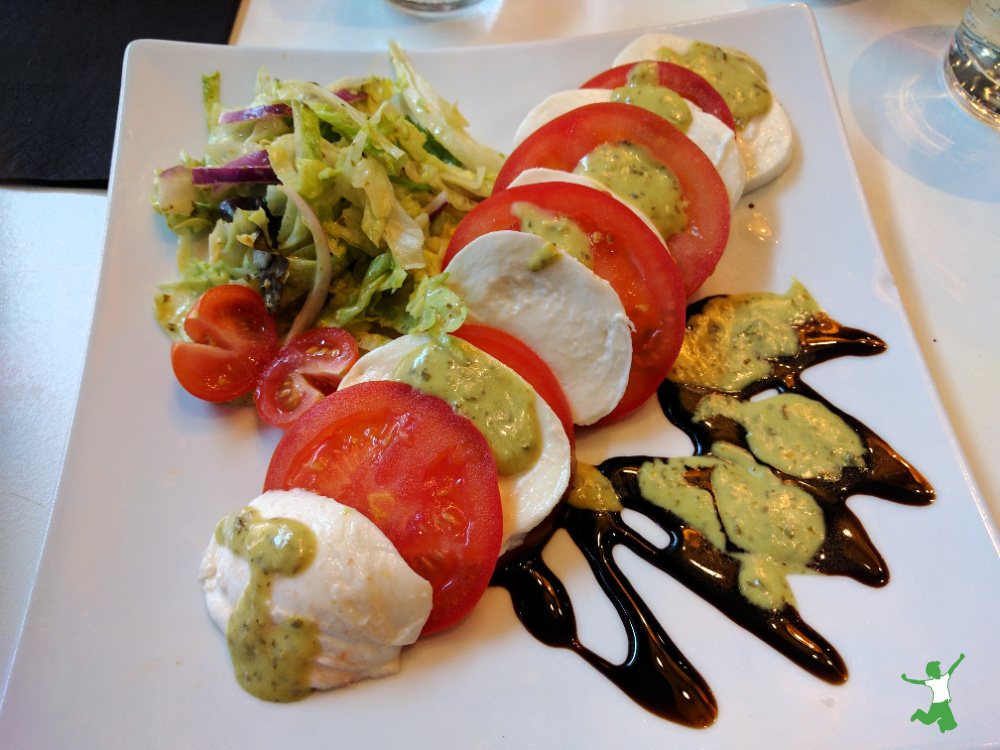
791, 432
555, 228
497, 401
642, 89
629, 171
271, 660
544, 257
730, 343
738, 78
778, 528
591, 490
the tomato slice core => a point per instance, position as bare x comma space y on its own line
561, 143
420, 472
232, 340
687, 83
626, 253
307, 368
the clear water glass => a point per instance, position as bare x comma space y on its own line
972, 63
432, 7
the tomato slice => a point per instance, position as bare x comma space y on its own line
307, 368
687, 83
561, 144
420, 472
232, 340
523, 360
627, 254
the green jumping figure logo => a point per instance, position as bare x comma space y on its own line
940, 710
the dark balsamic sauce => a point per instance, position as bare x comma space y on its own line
655, 674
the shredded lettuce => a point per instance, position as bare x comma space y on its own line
349, 215
435, 308
439, 117
210, 98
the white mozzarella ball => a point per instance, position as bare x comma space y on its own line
527, 497
567, 314
366, 602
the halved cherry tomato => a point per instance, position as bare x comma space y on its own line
307, 368
626, 253
563, 142
232, 340
420, 472
687, 83
523, 360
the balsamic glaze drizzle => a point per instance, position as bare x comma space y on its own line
655, 673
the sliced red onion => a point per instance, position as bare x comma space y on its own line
253, 159
350, 96
234, 175
437, 204
253, 167
324, 267
256, 113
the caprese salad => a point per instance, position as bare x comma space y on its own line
428, 320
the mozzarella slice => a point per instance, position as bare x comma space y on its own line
528, 497
567, 314
647, 46
766, 143
366, 602
553, 106
709, 133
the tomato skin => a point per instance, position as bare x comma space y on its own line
628, 255
307, 368
232, 340
519, 357
420, 472
561, 143
687, 83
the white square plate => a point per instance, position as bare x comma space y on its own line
118, 650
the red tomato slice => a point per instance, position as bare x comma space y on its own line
232, 340
309, 367
627, 254
563, 142
687, 83
522, 359
420, 472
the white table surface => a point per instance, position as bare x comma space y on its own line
931, 175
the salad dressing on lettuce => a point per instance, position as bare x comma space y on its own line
747, 510
271, 659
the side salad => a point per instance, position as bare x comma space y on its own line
334, 202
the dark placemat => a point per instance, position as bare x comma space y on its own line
61, 62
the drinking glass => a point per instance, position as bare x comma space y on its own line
431, 7
972, 63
